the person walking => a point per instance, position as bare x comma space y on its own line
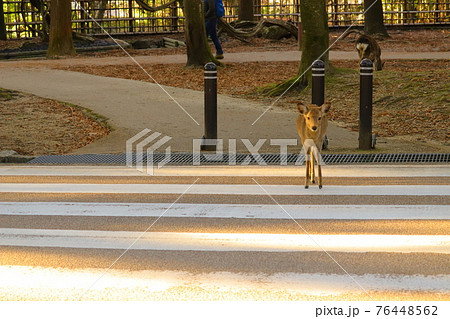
212, 13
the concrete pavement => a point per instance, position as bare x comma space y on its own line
132, 106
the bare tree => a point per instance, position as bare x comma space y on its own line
315, 43
197, 47
61, 41
198, 50
373, 18
2, 22
245, 10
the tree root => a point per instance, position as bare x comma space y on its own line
256, 29
82, 37
228, 29
146, 7
295, 84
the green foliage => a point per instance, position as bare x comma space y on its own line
6, 95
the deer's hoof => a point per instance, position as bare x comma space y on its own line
320, 186
306, 187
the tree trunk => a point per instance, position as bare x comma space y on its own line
245, 10
373, 18
2, 22
61, 42
315, 39
314, 45
197, 47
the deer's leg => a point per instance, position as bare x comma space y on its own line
307, 174
319, 169
308, 167
312, 170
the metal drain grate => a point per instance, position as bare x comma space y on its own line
80, 159
411, 158
240, 159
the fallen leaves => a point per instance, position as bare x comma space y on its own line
31, 126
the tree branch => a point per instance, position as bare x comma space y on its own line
146, 7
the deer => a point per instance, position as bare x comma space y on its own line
367, 48
312, 124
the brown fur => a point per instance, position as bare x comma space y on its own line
368, 48
310, 116
372, 51
312, 124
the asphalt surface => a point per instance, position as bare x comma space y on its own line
185, 246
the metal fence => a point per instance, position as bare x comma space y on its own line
126, 16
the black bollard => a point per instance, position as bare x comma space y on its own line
318, 89
318, 83
210, 75
365, 105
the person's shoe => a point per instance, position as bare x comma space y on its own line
219, 56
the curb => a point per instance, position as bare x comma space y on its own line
43, 53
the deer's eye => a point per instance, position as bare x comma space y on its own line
320, 118
308, 117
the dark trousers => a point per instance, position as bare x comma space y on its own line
211, 31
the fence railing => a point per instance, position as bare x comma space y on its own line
126, 17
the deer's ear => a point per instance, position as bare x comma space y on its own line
303, 109
325, 107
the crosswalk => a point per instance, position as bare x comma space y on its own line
212, 189
216, 233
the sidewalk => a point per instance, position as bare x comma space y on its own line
241, 57
132, 106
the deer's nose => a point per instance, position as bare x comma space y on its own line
314, 128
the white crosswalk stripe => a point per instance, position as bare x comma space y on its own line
402, 190
223, 242
243, 211
243, 243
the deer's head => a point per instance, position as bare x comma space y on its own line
314, 115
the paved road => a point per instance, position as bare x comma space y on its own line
221, 233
